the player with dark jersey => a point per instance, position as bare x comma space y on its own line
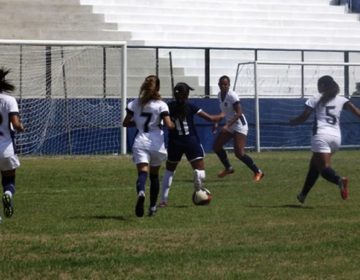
184, 140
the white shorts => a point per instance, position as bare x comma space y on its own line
153, 158
325, 143
9, 163
243, 129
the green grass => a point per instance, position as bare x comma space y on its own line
74, 219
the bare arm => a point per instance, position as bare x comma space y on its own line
352, 108
302, 117
210, 118
128, 122
16, 123
168, 122
237, 115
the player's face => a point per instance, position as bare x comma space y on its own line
224, 85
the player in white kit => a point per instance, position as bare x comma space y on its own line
148, 113
326, 139
235, 128
9, 121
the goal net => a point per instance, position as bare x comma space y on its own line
70, 94
273, 92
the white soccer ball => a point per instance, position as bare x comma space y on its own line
201, 197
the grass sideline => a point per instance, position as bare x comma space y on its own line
74, 219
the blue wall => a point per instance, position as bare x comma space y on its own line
92, 126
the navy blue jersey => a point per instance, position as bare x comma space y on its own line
185, 127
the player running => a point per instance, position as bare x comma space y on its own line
147, 113
326, 139
9, 120
184, 139
235, 128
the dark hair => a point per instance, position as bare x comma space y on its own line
4, 83
181, 94
329, 89
224, 77
149, 90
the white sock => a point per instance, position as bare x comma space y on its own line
166, 184
8, 193
199, 177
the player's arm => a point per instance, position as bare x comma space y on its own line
209, 117
302, 117
128, 120
16, 122
167, 120
238, 113
352, 108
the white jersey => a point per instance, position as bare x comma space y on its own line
327, 117
148, 122
226, 106
8, 107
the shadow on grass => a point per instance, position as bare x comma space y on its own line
296, 206
101, 217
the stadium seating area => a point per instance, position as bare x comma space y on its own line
307, 24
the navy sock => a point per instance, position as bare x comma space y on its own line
154, 189
329, 174
311, 177
224, 159
141, 181
8, 183
249, 163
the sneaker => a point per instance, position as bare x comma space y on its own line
139, 209
8, 205
301, 198
152, 211
163, 204
226, 172
343, 185
258, 176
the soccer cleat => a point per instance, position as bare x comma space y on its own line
139, 209
301, 198
343, 185
152, 211
163, 204
226, 172
8, 205
258, 176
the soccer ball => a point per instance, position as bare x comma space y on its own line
201, 197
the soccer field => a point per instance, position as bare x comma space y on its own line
74, 219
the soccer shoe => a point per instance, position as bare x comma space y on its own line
258, 176
301, 198
226, 172
139, 208
152, 211
163, 204
344, 190
8, 205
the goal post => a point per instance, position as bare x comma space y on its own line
276, 91
72, 95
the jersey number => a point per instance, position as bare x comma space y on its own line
147, 121
331, 118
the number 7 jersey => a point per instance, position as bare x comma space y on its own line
148, 120
327, 116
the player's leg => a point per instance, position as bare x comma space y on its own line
166, 182
8, 167
173, 158
157, 157
222, 138
195, 155
311, 178
141, 158
8, 184
239, 150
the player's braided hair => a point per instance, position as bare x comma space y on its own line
181, 94
149, 90
4, 83
329, 89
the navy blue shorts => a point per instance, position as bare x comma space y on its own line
190, 146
